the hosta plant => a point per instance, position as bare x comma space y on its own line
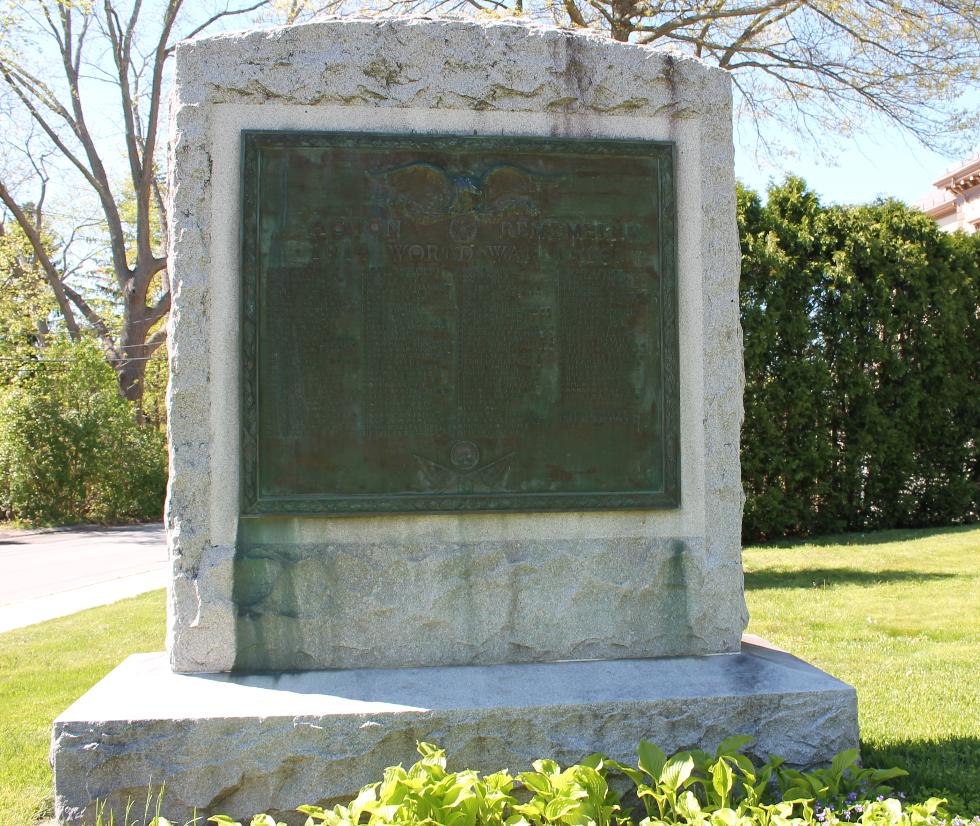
690, 788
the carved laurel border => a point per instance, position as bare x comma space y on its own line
667, 497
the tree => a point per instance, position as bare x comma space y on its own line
816, 66
25, 303
57, 57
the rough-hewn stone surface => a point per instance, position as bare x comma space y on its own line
239, 744
452, 77
310, 606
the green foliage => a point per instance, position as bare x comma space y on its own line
25, 301
722, 789
862, 355
258, 820
844, 777
577, 796
425, 793
70, 447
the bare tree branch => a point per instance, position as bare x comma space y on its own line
48, 268
97, 322
220, 16
120, 42
153, 342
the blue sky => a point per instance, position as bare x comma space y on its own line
884, 162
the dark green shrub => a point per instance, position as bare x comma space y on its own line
862, 354
70, 447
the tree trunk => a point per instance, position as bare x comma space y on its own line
136, 344
622, 21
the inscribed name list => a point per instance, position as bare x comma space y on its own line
451, 323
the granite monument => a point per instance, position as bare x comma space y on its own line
454, 411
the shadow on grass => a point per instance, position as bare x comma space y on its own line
947, 768
871, 538
831, 577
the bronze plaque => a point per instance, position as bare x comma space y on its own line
444, 323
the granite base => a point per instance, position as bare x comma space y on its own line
240, 744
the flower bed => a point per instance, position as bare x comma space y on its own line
694, 788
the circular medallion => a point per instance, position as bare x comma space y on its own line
462, 228
464, 455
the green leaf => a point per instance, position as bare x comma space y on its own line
535, 782
594, 761
797, 793
546, 767
560, 808
306, 810
817, 786
223, 819
652, 759
386, 812
365, 797
724, 817
702, 760
881, 775
427, 750
722, 780
676, 771
631, 773
734, 744
746, 766
845, 760
688, 806
532, 811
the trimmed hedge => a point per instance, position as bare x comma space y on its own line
862, 348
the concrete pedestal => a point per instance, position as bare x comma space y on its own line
241, 744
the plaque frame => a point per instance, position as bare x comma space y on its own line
253, 504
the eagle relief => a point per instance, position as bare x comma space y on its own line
461, 200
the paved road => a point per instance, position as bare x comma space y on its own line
50, 574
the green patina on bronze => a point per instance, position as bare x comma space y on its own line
441, 323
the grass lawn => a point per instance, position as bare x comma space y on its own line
896, 614
44, 668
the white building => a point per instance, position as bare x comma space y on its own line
955, 200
